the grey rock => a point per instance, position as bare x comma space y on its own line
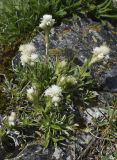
110, 76
33, 152
36, 151
105, 98
57, 153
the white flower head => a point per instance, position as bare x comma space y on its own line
99, 53
25, 59
27, 49
63, 64
11, 119
56, 99
52, 91
55, 92
34, 57
30, 93
103, 50
28, 55
47, 22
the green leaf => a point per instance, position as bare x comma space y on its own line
47, 138
60, 138
56, 127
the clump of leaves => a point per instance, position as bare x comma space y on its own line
104, 9
47, 93
55, 122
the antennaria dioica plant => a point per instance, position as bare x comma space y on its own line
47, 94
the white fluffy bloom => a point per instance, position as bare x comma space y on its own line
30, 93
102, 50
62, 64
25, 59
99, 53
28, 55
52, 91
55, 92
27, 49
11, 119
56, 100
47, 21
34, 57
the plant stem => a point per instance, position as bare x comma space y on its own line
46, 41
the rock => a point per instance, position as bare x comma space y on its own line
57, 153
105, 98
33, 152
93, 113
64, 154
110, 80
36, 151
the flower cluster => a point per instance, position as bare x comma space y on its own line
61, 65
30, 93
55, 92
28, 55
67, 80
47, 22
11, 119
100, 53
